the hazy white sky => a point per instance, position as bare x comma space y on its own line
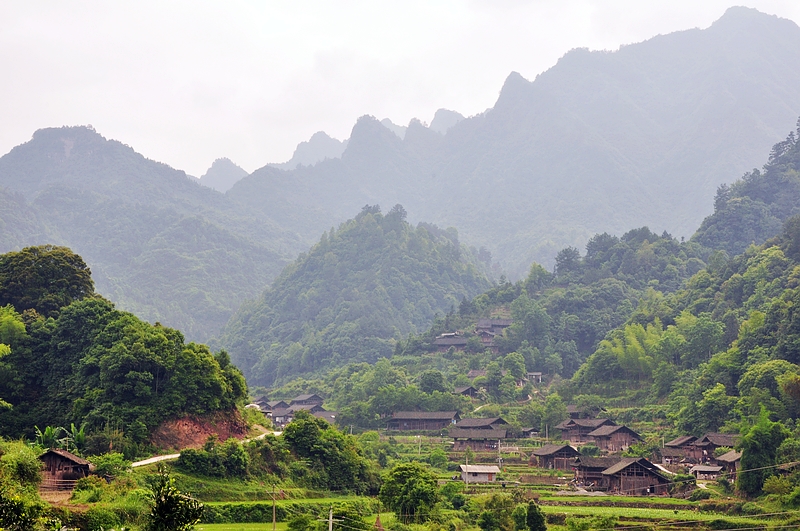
186, 82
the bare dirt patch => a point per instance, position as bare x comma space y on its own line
193, 431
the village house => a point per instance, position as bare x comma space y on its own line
476, 439
585, 412
489, 423
636, 476
731, 462
282, 417
705, 471
307, 400
612, 438
496, 326
577, 430
443, 344
702, 450
479, 473
589, 471
554, 456
422, 420
534, 377
61, 469
466, 391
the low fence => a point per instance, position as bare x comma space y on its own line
49, 484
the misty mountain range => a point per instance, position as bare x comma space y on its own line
601, 142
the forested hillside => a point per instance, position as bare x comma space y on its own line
357, 292
67, 356
754, 208
159, 244
716, 351
601, 142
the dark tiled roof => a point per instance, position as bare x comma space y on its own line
462, 390
585, 423
596, 462
551, 449
451, 341
301, 398
425, 415
718, 439
488, 323
683, 440
460, 433
606, 431
672, 452
730, 457
480, 423
625, 462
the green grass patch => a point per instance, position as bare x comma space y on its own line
240, 527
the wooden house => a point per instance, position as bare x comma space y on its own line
612, 438
489, 423
496, 326
706, 471
636, 476
445, 342
467, 391
330, 416
731, 462
578, 412
476, 439
554, 456
307, 400
672, 456
275, 404
282, 417
577, 430
479, 473
702, 450
589, 471
534, 377
61, 469
422, 420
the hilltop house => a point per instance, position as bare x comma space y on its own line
466, 391
444, 342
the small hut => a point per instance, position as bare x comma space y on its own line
62, 469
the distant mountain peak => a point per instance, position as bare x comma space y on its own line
444, 119
399, 130
319, 147
222, 175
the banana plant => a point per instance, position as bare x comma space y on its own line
50, 437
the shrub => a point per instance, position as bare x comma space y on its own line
110, 464
88, 483
777, 485
700, 494
100, 518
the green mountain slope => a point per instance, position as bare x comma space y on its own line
159, 244
358, 291
754, 208
714, 353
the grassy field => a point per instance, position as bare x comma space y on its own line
240, 527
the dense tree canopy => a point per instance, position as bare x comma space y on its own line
44, 278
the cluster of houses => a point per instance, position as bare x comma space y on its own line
485, 329
282, 413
